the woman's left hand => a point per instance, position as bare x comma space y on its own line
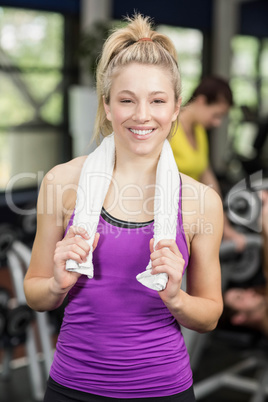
167, 258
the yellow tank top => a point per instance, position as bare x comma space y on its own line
190, 161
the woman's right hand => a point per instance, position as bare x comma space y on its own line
73, 246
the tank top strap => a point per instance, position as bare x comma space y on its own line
180, 204
69, 223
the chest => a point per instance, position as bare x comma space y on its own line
130, 202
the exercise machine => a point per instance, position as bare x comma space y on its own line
238, 267
231, 270
35, 325
233, 377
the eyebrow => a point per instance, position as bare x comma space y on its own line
133, 94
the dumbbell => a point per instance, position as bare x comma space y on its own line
243, 208
259, 184
243, 205
242, 265
18, 319
14, 318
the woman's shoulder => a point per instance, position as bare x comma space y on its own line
201, 204
66, 173
195, 190
191, 186
59, 188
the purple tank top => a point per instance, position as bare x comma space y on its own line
118, 339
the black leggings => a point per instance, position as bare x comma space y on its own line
58, 393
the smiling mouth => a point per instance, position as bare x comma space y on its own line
141, 132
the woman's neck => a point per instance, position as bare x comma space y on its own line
136, 172
139, 169
133, 187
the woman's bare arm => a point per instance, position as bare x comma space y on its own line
200, 307
47, 282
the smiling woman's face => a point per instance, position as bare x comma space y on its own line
142, 108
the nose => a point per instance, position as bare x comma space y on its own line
142, 112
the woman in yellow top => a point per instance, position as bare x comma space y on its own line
209, 103
192, 159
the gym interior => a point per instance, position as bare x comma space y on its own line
48, 53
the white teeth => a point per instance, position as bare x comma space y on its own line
140, 132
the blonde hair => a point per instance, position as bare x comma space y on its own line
122, 48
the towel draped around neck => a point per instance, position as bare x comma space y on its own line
95, 179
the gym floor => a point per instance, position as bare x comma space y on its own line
218, 355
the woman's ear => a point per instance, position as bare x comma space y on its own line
107, 109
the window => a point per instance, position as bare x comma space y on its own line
31, 96
189, 46
264, 77
244, 71
249, 82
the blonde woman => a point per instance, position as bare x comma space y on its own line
120, 340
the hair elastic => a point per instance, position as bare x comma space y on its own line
144, 40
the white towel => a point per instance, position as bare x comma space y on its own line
96, 176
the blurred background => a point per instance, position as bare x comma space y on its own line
48, 52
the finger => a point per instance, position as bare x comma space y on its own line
77, 231
151, 245
169, 243
74, 248
174, 275
67, 255
76, 241
166, 258
160, 262
164, 254
81, 247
